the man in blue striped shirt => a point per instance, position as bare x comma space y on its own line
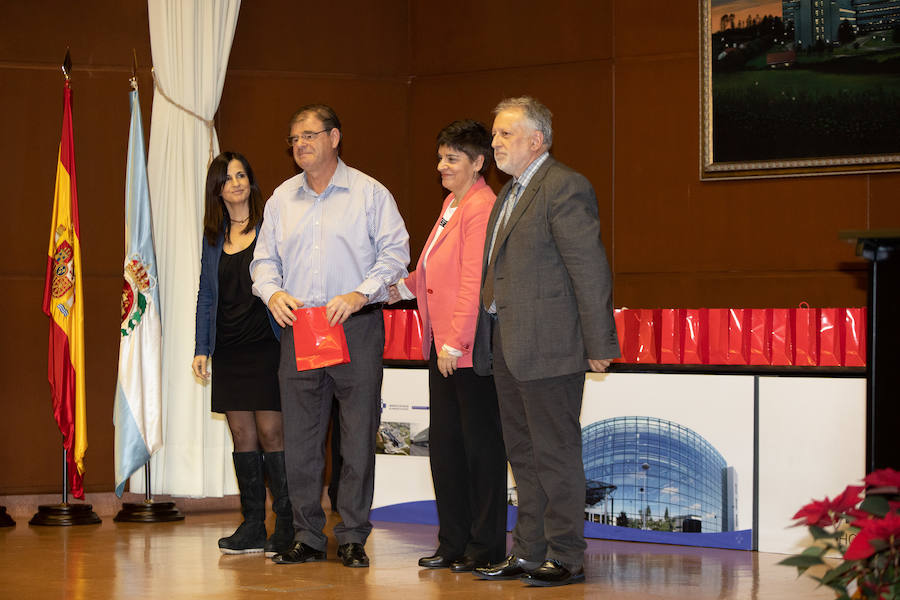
331, 236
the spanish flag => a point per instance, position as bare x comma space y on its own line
64, 304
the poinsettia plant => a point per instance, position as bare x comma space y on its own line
862, 524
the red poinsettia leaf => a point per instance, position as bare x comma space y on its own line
815, 513
883, 477
860, 548
847, 499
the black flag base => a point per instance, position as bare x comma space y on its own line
5, 519
148, 511
65, 514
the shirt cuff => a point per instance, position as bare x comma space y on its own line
452, 351
404, 291
371, 289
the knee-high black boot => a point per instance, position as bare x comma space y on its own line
250, 536
282, 537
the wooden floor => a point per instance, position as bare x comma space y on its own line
171, 561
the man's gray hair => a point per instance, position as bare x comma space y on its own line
539, 115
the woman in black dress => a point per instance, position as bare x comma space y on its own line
235, 328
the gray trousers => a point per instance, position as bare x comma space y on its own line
306, 401
542, 433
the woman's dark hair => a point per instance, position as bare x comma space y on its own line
216, 219
469, 137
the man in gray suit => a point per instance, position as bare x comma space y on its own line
546, 317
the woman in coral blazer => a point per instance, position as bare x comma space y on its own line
468, 460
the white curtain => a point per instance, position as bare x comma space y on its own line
191, 41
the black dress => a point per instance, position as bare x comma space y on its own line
245, 359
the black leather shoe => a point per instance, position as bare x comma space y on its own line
435, 562
466, 564
552, 573
353, 555
511, 567
299, 553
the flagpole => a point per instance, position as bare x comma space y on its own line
140, 280
65, 513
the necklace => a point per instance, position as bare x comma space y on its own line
239, 221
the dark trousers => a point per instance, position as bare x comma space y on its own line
468, 464
306, 401
542, 432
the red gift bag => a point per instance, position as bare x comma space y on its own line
803, 334
781, 342
669, 330
738, 337
829, 342
646, 351
619, 317
854, 346
689, 325
759, 351
716, 338
394, 334
316, 343
413, 324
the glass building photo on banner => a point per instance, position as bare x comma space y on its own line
653, 474
669, 459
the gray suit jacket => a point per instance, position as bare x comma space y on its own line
552, 281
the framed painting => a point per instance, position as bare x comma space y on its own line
799, 87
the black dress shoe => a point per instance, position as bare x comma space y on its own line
511, 567
552, 573
466, 564
299, 553
435, 562
353, 555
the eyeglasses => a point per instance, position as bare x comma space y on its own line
306, 136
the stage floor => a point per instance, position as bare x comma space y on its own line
174, 561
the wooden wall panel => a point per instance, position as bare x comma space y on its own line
356, 37
469, 36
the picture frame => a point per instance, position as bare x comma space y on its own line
798, 88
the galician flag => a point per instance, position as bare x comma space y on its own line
138, 409
64, 304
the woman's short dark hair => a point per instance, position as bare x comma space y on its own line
469, 137
216, 219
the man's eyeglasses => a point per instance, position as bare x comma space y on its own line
306, 136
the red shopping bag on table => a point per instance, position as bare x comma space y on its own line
619, 317
316, 343
738, 337
829, 342
759, 351
394, 335
854, 345
714, 323
803, 333
414, 333
669, 330
781, 341
691, 352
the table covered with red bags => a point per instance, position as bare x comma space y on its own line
778, 337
